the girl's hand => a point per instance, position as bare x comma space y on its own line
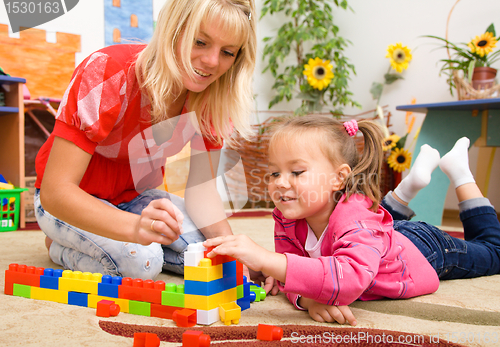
240, 247
327, 313
270, 285
167, 226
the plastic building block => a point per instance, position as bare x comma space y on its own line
269, 332
195, 338
260, 293
243, 303
109, 286
60, 296
107, 308
239, 273
201, 302
229, 313
184, 317
76, 281
207, 317
50, 278
22, 290
193, 254
123, 303
162, 311
204, 288
78, 299
139, 290
22, 274
173, 295
204, 272
146, 340
140, 308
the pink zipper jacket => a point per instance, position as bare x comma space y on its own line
363, 257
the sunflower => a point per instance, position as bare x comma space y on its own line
390, 142
399, 160
483, 45
400, 56
319, 73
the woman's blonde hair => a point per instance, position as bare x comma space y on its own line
340, 148
226, 101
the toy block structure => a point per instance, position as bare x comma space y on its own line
210, 291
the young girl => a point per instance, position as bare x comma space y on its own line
335, 244
95, 202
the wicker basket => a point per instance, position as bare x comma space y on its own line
254, 158
465, 90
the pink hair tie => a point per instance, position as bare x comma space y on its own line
351, 127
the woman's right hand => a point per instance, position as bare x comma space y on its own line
160, 222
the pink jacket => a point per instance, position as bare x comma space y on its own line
363, 257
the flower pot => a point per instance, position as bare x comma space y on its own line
483, 77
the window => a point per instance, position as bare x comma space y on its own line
117, 36
116, 3
134, 21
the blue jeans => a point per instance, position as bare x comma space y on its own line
477, 255
77, 249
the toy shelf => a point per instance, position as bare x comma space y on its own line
12, 135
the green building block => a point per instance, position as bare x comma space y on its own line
239, 291
22, 290
173, 295
140, 308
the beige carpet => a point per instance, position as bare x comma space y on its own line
464, 311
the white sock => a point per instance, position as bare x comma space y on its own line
455, 163
420, 174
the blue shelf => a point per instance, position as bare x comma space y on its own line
463, 105
11, 80
8, 109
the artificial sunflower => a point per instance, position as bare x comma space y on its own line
399, 160
484, 44
390, 142
319, 73
400, 56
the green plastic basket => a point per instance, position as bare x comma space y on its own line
10, 205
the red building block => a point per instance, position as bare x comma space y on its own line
239, 273
184, 318
218, 259
22, 274
195, 338
107, 308
163, 311
139, 290
146, 340
269, 332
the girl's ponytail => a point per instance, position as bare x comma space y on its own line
365, 175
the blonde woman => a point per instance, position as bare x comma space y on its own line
96, 204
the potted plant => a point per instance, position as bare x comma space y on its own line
318, 72
471, 61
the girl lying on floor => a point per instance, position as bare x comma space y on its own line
336, 244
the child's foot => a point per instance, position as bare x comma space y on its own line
455, 163
420, 174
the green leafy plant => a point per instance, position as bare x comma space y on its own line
308, 32
466, 56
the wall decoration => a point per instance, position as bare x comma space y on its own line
128, 21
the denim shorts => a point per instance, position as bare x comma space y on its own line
77, 249
452, 258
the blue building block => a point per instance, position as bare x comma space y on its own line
2, 179
78, 299
244, 303
204, 288
229, 274
50, 278
109, 286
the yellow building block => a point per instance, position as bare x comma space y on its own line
76, 281
205, 272
206, 303
94, 299
60, 296
229, 313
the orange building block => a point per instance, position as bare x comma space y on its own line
184, 318
22, 274
107, 308
139, 290
269, 332
146, 340
195, 338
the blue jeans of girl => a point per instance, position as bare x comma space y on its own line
477, 255
77, 249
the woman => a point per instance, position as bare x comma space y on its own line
98, 212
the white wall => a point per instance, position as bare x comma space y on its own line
371, 27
